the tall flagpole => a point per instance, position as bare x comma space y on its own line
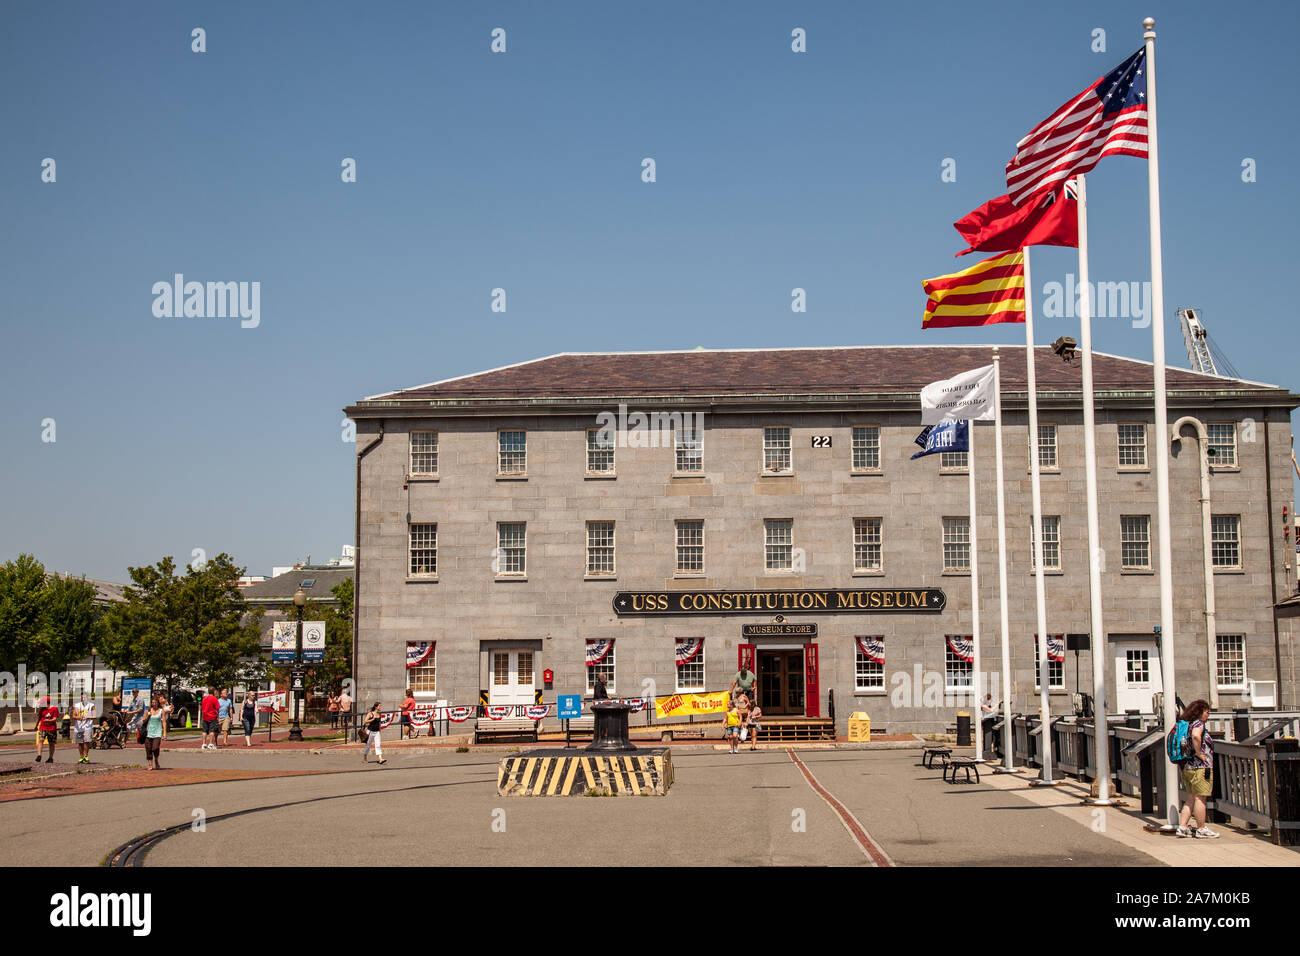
1040, 592
977, 715
1008, 765
1162, 424
1096, 631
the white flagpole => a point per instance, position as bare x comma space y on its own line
1162, 424
977, 684
1008, 756
1040, 592
1096, 631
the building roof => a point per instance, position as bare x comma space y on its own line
279, 589
764, 374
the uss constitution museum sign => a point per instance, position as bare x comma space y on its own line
833, 600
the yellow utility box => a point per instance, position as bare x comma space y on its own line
859, 728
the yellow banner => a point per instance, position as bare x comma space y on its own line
682, 705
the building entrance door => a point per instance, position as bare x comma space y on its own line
511, 680
1137, 674
781, 682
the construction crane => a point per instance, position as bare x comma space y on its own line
1201, 349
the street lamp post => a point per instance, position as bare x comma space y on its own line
295, 732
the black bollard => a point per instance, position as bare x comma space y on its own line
611, 727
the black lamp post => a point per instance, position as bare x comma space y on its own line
295, 732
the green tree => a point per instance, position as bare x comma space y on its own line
46, 621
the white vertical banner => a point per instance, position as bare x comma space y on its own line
977, 714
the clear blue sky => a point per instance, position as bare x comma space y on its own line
522, 171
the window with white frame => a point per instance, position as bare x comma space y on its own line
869, 662
424, 549
1222, 445
422, 667
1225, 541
600, 547
688, 437
1051, 543
424, 453
600, 452
512, 548
690, 547
776, 450
1132, 445
1047, 447
866, 447
866, 544
604, 666
690, 664
512, 452
958, 662
1055, 670
1230, 657
954, 461
778, 543
956, 544
1135, 542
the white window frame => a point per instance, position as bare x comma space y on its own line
774, 444
1144, 540
1051, 539
1047, 428
865, 441
953, 537
503, 451
688, 453
1225, 531
861, 662
1232, 655
600, 550
677, 534
1215, 460
425, 451
771, 525
696, 666
954, 462
868, 534
428, 563
606, 666
507, 552
413, 674
1121, 445
594, 448
952, 664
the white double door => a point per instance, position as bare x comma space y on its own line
511, 679
1137, 673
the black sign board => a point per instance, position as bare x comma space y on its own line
298, 680
824, 601
786, 629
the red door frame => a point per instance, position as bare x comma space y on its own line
812, 686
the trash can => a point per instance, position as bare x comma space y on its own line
963, 729
859, 728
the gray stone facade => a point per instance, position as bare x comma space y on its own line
469, 609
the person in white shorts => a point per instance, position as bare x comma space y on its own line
83, 726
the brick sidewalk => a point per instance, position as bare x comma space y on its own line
97, 779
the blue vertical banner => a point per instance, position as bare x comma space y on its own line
945, 437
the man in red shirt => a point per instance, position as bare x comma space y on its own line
408, 705
47, 729
208, 710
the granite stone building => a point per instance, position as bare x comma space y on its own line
656, 516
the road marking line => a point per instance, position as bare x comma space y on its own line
870, 848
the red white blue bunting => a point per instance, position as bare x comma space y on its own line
417, 652
872, 648
1055, 648
688, 648
460, 714
598, 650
962, 647
537, 711
499, 711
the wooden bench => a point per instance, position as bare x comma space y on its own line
927, 758
954, 764
505, 727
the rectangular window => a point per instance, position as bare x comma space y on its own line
776, 450
690, 547
689, 441
424, 549
1132, 446
1231, 661
958, 671
866, 544
953, 461
604, 667
1051, 543
1055, 673
1223, 444
424, 453
500, 668
423, 677
778, 541
600, 547
512, 548
956, 544
1137, 666
600, 452
512, 452
1135, 542
1225, 541
866, 447
869, 670
1047, 447
690, 664
525, 667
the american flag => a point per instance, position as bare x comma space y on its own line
1109, 118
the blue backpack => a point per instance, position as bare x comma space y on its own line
1178, 743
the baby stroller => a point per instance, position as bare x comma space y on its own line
111, 732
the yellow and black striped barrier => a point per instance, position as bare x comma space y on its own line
564, 773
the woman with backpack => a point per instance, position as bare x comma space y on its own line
373, 723
1197, 771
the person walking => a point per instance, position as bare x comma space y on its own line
732, 726
1197, 772
743, 683
155, 731
225, 714
209, 708
345, 711
248, 717
408, 705
332, 705
136, 709
755, 724
373, 722
83, 729
47, 728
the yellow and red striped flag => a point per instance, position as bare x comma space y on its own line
988, 292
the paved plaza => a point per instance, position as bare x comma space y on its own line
800, 807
